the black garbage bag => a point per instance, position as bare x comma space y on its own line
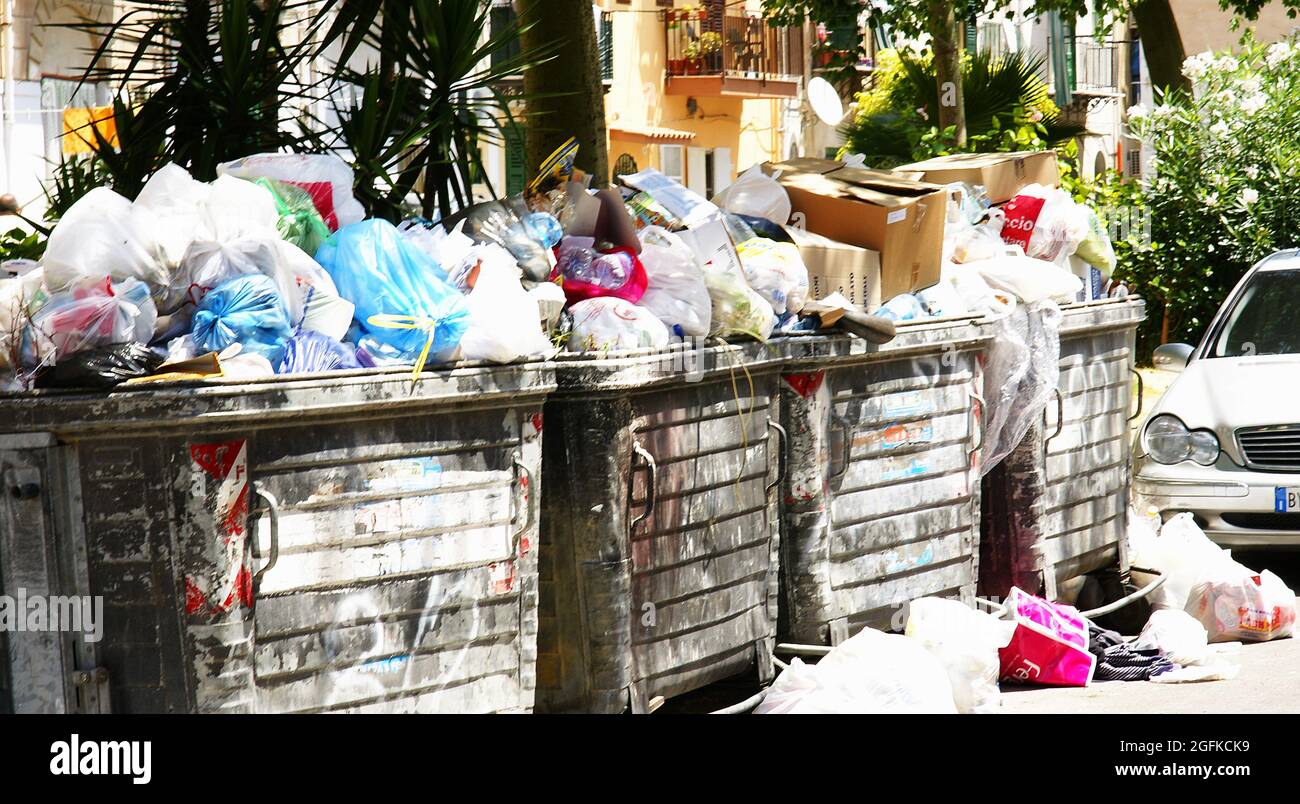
101, 369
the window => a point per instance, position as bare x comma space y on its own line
503, 18
1263, 319
605, 44
672, 162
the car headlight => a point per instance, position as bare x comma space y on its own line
1168, 441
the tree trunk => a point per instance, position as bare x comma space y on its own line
573, 96
946, 41
1161, 44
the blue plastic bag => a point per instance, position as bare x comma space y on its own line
309, 352
379, 272
244, 310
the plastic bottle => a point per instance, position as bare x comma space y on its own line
904, 307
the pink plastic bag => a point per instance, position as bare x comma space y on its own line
1049, 646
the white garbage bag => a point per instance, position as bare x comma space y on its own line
676, 292
1243, 605
1026, 278
966, 642
504, 322
870, 673
757, 194
325, 177
609, 324
1177, 635
99, 237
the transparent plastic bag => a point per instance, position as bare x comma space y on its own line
209, 263
325, 177
171, 207
19, 296
676, 292
1045, 222
504, 322
377, 270
737, 308
94, 314
607, 324
300, 223
495, 222
589, 272
1021, 369
1241, 605
966, 642
100, 237
776, 271
244, 310
755, 193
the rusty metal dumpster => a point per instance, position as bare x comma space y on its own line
659, 525
334, 542
881, 499
1062, 494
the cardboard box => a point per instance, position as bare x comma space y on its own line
832, 266
900, 219
1001, 175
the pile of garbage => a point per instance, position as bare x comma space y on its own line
273, 269
952, 658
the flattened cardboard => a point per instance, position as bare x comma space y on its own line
900, 219
1001, 174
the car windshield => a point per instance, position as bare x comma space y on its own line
1265, 320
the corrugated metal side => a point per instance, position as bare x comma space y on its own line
896, 522
400, 584
639, 603
703, 563
1087, 463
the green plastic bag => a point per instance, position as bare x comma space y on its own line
300, 223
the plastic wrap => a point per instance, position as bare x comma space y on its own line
309, 352
401, 299
676, 292
93, 314
1021, 369
244, 310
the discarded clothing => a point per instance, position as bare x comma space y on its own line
1118, 660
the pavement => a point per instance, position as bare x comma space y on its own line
1269, 680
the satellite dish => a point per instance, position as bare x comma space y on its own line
825, 101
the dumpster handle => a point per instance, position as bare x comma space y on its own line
846, 450
528, 497
976, 425
273, 514
782, 437
650, 494
1141, 390
1060, 418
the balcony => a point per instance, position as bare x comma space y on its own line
718, 53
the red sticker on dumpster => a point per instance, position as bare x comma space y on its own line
218, 576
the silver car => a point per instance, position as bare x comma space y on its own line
1224, 440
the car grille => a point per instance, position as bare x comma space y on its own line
1274, 448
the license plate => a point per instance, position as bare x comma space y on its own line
1286, 499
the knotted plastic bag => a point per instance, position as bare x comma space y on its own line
98, 237
755, 193
244, 310
609, 324
93, 314
401, 299
776, 271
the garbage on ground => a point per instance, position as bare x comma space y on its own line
966, 642
1120, 660
1049, 645
870, 673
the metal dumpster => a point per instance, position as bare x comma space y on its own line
659, 525
1062, 494
349, 541
881, 499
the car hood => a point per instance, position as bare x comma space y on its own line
1226, 393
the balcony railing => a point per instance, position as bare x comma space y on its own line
740, 49
1094, 67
